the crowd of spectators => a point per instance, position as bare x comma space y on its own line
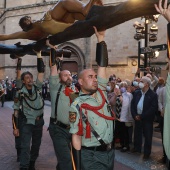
130, 100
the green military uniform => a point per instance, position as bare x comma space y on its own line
32, 122
2, 95
166, 135
91, 157
1, 88
59, 131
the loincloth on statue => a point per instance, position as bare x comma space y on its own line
49, 25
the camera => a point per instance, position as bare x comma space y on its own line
64, 52
110, 79
142, 69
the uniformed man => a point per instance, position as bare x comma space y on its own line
91, 119
29, 102
60, 90
2, 92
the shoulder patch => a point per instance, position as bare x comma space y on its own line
75, 102
72, 116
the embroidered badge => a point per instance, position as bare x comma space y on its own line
75, 102
15, 100
72, 117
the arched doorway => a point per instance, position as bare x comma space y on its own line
72, 66
76, 62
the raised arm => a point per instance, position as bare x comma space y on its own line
101, 54
163, 9
40, 66
16, 35
18, 71
54, 61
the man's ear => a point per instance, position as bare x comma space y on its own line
80, 81
59, 79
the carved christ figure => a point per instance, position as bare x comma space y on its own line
55, 20
59, 22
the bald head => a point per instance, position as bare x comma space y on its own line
88, 81
85, 72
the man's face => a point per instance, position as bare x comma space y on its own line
27, 25
144, 84
66, 78
28, 80
88, 81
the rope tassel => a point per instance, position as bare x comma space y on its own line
88, 130
80, 127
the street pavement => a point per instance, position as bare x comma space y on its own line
47, 159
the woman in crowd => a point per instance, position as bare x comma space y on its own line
125, 116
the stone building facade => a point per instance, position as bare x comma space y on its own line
122, 47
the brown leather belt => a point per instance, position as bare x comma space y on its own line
53, 120
105, 147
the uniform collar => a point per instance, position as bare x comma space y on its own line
24, 89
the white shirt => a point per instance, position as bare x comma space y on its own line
125, 114
140, 103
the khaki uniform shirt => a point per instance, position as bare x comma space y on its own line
166, 133
30, 113
18, 83
63, 101
1, 87
102, 126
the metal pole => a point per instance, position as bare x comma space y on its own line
5, 4
146, 44
139, 56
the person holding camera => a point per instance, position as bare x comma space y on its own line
149, 74
29, 104
154, 79
2, 92
61, 89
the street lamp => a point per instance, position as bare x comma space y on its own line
149, 35
153, 33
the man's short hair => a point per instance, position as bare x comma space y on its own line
123, 84
146, 79
22, 21
25, 73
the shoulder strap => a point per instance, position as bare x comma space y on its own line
84, 118
56, 102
